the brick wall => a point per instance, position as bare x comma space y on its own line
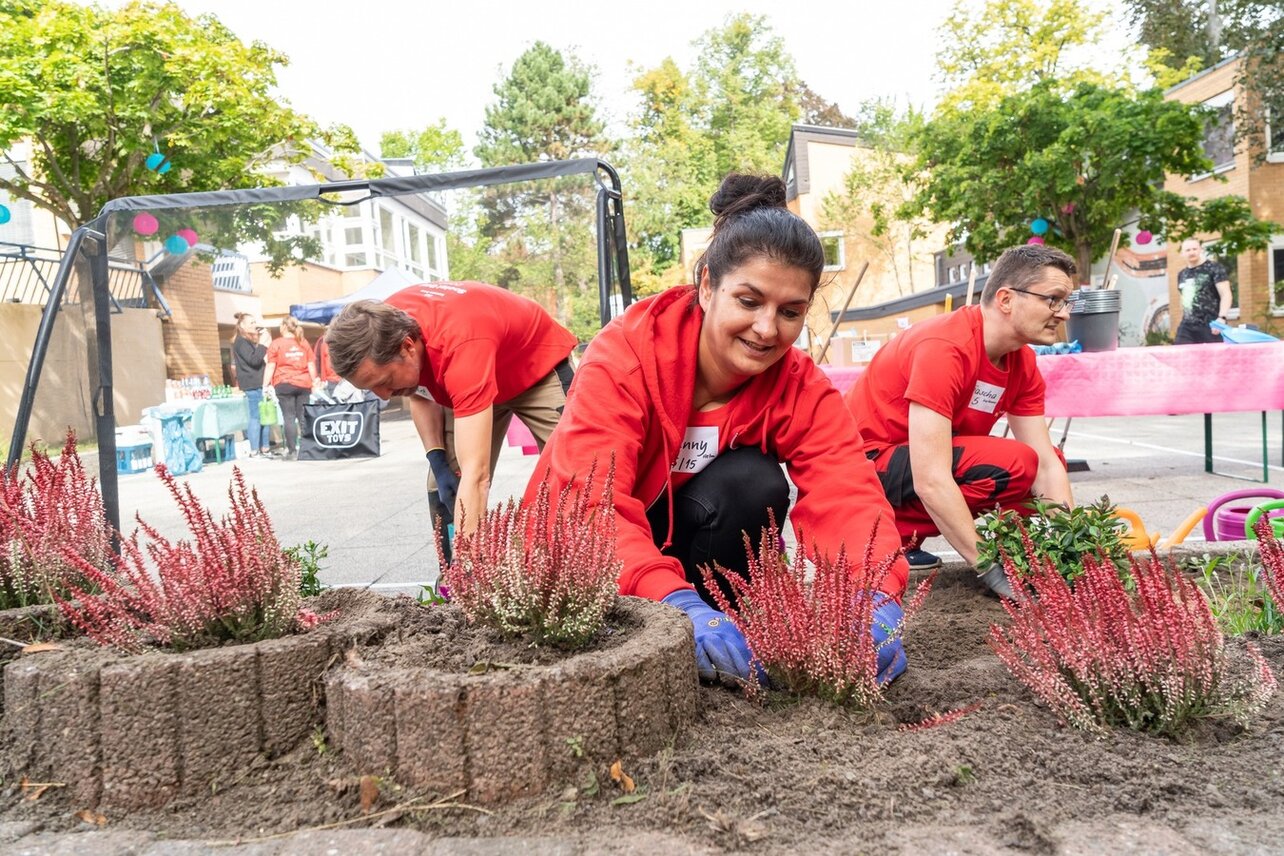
1262, 185
191, 334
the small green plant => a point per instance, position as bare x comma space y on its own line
1158, 337
309, 555
319, 742
1237, 593
432, 594
1052, 532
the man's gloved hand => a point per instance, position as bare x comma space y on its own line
887, 618
721, 651
996, 580
447, 482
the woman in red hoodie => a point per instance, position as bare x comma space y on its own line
700, 396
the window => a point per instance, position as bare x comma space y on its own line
1219, 133
1274, 142
387, 233
352, 236
432, 251
832, 245
1276, 296
354, 260
416, 250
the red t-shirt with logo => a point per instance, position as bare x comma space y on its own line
292, 357
484, 345
941, 364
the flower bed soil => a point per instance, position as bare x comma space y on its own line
804, 777
133, 731
448, 707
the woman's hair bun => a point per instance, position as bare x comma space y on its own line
739, 193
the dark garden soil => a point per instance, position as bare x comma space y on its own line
805, 777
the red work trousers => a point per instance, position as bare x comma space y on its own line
989, 471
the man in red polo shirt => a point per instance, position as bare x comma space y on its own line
930, 397
469, 356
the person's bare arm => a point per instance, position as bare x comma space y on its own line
472, 450
932, 467
430, 421
1224, 292
1052, 481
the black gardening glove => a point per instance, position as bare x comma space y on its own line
447, 482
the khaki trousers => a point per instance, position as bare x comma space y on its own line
538, 407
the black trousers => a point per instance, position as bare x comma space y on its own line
292, 398
714, 511
1196, 334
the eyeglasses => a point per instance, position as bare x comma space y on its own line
1055, 304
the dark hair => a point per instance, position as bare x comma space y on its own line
368, 328
1019, 267
751, 221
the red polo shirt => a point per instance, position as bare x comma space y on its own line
484, 345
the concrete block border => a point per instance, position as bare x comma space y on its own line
509, 734
131, 732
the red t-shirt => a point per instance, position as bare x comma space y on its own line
325, 370
292, 358
941, 364
484, 345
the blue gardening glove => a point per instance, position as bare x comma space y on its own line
721, 651
447, 483
888, 616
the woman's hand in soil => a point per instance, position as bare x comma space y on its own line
886, 631
721, 651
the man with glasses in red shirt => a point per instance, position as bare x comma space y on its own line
931, 396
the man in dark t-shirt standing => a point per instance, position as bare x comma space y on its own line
1205, 295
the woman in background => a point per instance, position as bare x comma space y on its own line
292, 372
249, 354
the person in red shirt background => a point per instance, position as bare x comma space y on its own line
292, 374
699, 396
930, 397
469, 356
325, 369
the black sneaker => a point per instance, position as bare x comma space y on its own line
921, 560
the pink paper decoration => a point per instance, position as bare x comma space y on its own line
1068, 208
145, 224
1144, 237
188, 235
1035, 239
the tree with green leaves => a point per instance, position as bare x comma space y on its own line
1187, 35
1082, 161
544, 110
732, 111
98, 91
434, 148
1002, 47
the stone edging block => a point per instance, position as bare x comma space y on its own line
511, 733
135, 731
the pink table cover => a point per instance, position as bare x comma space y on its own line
1152, 381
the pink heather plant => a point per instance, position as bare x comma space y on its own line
1271, 553
812, 639
231, 583
53, 509
1100, 656
538, 572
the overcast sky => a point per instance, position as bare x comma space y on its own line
383, 64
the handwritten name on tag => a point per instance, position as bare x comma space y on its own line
985, 397
699, 448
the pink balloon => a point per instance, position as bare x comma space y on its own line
1035, 239
1144, 237
145, 224
188, 235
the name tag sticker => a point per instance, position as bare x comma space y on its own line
985, 397
699, 448
423, 392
